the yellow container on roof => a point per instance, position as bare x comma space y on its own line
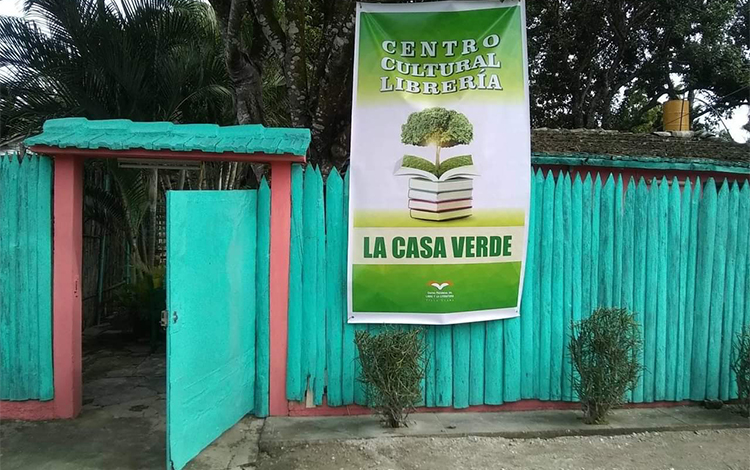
677, 115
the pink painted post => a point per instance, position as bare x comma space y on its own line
281, 204
66, 275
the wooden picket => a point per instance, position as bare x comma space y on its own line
677, 255
26, 278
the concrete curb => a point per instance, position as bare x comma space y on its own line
280, 433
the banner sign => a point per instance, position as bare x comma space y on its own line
440, 162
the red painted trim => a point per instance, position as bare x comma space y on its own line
281, 208
298, 409
168, 155
647, 173
66, 275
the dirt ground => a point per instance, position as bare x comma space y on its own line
699, 450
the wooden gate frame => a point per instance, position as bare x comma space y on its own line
67, 257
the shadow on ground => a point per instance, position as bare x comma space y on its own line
123, 422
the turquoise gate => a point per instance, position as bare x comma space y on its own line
217, 292
675, 253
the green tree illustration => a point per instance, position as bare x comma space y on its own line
440, 127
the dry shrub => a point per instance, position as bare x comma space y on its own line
392, 369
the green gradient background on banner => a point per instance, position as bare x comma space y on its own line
441, 26
401, 288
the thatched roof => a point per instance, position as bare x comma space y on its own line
680, 146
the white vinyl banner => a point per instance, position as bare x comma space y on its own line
440, 162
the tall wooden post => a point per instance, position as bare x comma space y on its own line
281, 203
66, 281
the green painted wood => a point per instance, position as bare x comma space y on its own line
673, 331
461, 353
423, 382
334, 264
26, 273
443, 365
619, 219
310, 351
429, 382
547, 301
528, 303
43, 241
741, 302
586, 195
691, 287
684, 244
262, 301
577, 247
628, 253
476, 361
296, 375
727, 331
607, 243
210, 356
320, 307
590, 244
717, 294
595, 244
567, 313
652, 293
556, 329
349, 361
27, 322
123, 134
704, 272
537, 312
660, 372
12, 383
512, 359
493, 364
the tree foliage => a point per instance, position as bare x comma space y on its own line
437, 126
605, 63
289, 62
143, 60
604, 349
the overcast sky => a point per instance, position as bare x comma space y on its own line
739, 118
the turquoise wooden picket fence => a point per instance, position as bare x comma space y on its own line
25, 278
675, 254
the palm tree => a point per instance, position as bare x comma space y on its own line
145, 60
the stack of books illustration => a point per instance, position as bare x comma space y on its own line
439, 194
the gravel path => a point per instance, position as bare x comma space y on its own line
700, 450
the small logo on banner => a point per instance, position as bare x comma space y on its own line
440, 291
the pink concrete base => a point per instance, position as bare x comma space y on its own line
31, 410
298, 409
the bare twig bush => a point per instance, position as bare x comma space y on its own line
393, 366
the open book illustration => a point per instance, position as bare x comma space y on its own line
439, 192
454, 167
